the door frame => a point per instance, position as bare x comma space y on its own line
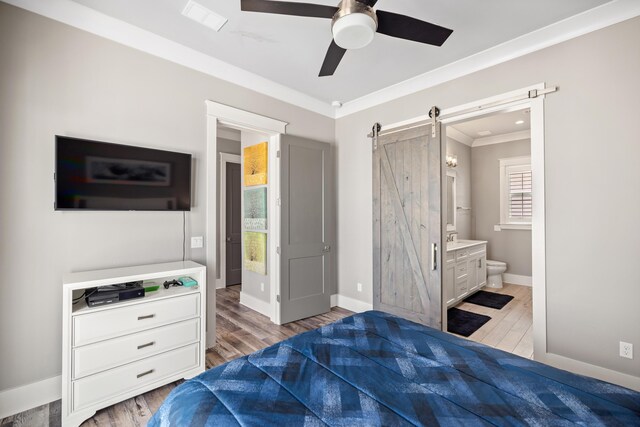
512, 101
225, 158
223, 115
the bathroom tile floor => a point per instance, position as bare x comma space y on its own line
509, 329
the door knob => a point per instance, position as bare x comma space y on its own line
326, 249
228, 239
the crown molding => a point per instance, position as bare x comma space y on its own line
591, 20
92, 21
500, 139
461, 137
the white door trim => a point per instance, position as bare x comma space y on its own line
538, 227
224, 159
220, 114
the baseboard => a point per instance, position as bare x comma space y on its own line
517, 279
255, 304
352, 304
334, 300
583, 368
19, 399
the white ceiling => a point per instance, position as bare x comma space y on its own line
497, 124
290, 50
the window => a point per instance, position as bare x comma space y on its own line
516, 193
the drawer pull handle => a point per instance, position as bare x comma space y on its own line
150, 371
149, 344
148, 316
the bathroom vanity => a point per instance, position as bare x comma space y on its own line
465, 269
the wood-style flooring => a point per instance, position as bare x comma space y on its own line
511, 328
239, 331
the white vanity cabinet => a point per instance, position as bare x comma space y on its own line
465, 270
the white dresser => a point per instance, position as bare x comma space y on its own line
465, 269
113, 352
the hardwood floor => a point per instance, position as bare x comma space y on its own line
509, 329
239, 331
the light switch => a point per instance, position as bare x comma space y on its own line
197, 242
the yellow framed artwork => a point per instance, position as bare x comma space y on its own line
255, 164
255, 252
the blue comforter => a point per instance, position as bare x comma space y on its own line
375, 369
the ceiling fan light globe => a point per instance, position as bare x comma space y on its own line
354, 31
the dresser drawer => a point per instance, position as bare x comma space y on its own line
93, 358
462, 254
451, 257
462, 288
104, 324
112, 383
477, 250
461, 270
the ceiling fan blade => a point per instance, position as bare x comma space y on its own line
288, 8
369, 3
408, 28
332, 60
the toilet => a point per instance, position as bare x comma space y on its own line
494, 273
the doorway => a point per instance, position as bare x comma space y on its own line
229, 207
233, 230
531, 97
230, 220
489, 202
296, 187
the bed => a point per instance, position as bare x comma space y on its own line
374, 369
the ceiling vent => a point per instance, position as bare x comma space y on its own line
484, 133
204, 16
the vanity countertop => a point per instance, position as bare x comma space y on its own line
463, 244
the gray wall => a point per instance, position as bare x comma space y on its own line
591, 157
510, 246
463, 186
230, 147
55, 79
251, 281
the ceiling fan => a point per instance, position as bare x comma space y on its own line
354, 23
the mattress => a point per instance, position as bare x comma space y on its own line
376, 369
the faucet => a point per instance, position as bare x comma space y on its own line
451, 237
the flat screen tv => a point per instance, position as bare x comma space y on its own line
93, 175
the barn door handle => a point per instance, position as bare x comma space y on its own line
434, 256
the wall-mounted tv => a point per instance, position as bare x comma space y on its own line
93, 175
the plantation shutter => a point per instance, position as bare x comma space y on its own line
520, 194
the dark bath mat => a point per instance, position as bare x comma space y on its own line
489, 299
464, 322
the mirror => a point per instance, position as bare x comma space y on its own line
451, 201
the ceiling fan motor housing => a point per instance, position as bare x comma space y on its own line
354, 25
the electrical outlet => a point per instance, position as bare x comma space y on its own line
262, 286
197, 242
359, 287
626, 350
497, 228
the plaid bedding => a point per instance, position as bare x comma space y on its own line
376, 369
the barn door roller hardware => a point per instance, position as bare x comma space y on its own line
434, 113
375, 131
